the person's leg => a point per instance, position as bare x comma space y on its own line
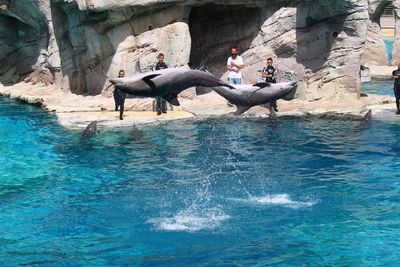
163, 105
274, 105
397, 95
121, 108
116, 100
158, 105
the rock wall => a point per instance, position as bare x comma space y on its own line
375, 52
84, 42
396, 44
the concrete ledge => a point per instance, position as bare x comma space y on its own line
76, 111
381, 72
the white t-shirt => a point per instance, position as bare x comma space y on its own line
238, 60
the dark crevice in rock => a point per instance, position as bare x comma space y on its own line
214, 29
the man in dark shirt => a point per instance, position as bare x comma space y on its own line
396, 86
270, 75
161, 104
119, 97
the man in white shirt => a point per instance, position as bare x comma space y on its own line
235, 65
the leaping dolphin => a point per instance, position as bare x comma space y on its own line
245, 96
166, 83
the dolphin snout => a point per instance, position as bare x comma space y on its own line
113, 81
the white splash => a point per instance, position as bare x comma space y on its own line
190, 221
279, 200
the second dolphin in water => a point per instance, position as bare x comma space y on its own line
246, 96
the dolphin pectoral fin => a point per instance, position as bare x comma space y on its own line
149, 82
241, 109
262, 85
173, 99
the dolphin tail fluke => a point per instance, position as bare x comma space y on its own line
241, 109
173, 99
203, 90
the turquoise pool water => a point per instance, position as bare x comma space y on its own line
389, 48
214, 193
379, 87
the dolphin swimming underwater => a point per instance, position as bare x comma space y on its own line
245, 96
166, 83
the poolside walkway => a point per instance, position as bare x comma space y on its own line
77, 111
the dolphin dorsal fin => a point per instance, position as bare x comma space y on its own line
262, 85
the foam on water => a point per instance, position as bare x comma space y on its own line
191, 220
278, 200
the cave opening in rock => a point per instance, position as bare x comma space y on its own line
214, 29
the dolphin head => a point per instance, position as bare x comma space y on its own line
118, 82
285, 86
284, 89
131, 85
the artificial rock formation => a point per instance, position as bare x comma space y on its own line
84, 42
396, 43
375, 52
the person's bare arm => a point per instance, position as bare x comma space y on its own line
239, 66
266, 75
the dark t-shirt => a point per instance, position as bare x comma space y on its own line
161, 65
271, 71
397, 81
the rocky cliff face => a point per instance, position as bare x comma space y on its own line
396, 43
84, 42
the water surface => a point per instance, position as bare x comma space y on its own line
227, 192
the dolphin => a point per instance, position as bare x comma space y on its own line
245, 96
90, 130
166, 83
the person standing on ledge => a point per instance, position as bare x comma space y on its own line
119, 97
270, 75
396, 86
161, 104
235, 65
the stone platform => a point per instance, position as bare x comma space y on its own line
77, 111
